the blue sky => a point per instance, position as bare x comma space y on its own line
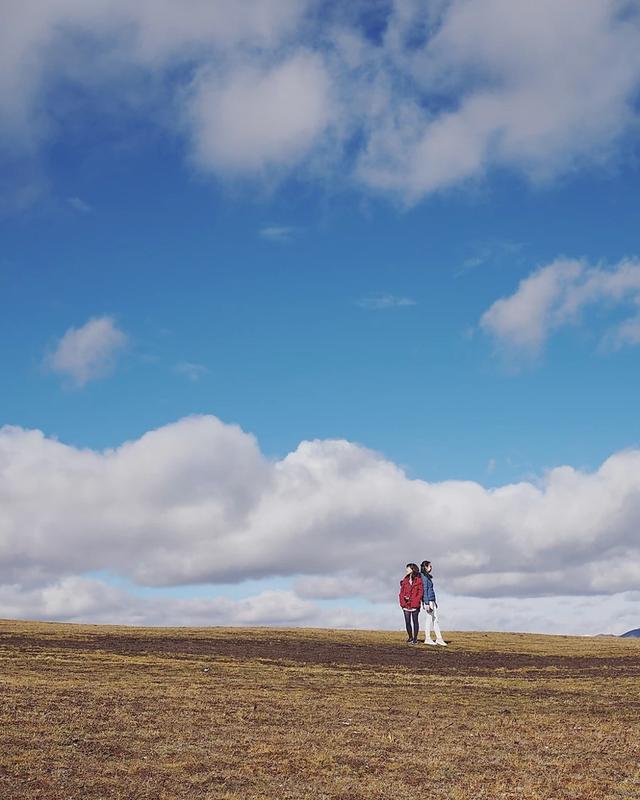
290, 353
324, 277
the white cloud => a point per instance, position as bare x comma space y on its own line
191, 370
88, 352
81, 599
256, 118
277, 233
78, 204
453, 90
626, 333
195, 501
382, 302
557, 295
36, 50
537, 87
163, 30
490, 252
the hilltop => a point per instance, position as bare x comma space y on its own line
163, 714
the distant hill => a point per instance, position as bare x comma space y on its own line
635, 633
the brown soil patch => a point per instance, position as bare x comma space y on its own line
419, 658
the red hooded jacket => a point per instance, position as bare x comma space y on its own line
411, 589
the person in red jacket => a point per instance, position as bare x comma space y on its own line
411, 591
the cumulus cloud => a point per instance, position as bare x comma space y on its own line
89, 600
536, 87
558, 295
190, 502
446, 92
88, 352
197, 502
39, 50
257, 118
82, 599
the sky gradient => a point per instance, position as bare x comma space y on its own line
295, 293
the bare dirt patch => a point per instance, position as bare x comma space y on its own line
298, 649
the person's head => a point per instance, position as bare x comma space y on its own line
425, 568
412, 570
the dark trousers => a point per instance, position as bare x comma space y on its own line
411, 619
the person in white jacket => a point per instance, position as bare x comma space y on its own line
430, 606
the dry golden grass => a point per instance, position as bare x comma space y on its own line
94, 712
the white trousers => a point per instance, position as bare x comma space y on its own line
431, 624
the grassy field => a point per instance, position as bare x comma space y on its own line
106, 712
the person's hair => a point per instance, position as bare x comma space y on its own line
423, 567
415, 570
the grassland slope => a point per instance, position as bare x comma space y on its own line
94, 712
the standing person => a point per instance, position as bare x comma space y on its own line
431, 607
411, 591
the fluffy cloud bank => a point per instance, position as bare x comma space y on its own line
406, 97
557, 294
82, 599
197, 502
